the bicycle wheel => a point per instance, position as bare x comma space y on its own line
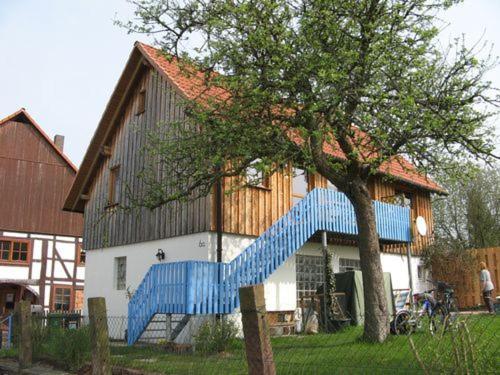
438, 320
401, 323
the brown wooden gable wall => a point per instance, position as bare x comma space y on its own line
34, 181
106, 226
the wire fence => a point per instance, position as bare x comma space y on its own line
468, 344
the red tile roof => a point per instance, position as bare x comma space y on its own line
192, 84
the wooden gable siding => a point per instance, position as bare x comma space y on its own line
250, 211
105, 226
34, 181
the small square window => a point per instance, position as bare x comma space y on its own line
62, 298
14, 250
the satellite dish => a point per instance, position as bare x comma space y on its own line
421, 226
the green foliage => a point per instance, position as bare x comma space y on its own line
469, 217
460, 351
334, 308
68, 348
215, 337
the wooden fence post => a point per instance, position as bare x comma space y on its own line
101, 364
255, 328
25, 345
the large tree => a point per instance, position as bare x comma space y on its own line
337, 87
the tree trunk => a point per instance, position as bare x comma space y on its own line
376, 326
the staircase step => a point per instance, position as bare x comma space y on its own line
179, 327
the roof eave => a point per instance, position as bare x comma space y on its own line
92, 155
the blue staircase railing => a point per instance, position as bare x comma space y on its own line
203, 287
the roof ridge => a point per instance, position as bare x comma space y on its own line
23, 111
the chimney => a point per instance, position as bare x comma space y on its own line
59, 141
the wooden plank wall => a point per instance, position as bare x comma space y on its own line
381, 189
34, 181
467, 285
246, 211
111, 227
250, 211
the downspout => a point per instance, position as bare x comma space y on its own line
218, 218
324, 246
408, 257
218, 228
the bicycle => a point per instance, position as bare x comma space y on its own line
442, 314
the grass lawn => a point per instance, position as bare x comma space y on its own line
342, 352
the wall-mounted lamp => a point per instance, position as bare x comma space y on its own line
160, 255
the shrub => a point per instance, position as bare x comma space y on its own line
70, 348
215, 336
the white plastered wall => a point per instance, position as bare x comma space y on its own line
280, 287
397, 265
100, 266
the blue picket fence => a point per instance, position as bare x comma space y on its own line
203, 287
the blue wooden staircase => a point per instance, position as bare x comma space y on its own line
203, 287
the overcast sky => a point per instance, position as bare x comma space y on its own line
62, 58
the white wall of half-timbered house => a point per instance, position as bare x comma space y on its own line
54, 263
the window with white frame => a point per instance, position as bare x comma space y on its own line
346, 264
300, 185
255, 176
120, 273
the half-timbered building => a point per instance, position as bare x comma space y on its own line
122, 246
41, 257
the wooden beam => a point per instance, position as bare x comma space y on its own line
101, 361
256, 331
25, 347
